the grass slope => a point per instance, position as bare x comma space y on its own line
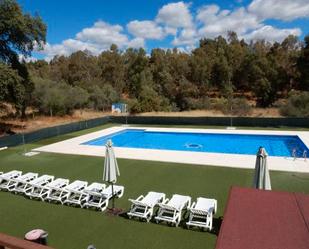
74, 228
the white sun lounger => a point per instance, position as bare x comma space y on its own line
94, 198
5, 178
18, 185
55, 190
35, 188
75, 194
201, 213
99, 199
171, 210
143, 206
117, 191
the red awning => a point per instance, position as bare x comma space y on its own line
256, 219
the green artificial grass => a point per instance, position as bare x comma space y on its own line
72, 228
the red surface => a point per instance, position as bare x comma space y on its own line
258, 219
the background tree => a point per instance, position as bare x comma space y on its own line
9, 78
303, 65
19, 33
213, 75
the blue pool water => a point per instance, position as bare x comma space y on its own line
275, 145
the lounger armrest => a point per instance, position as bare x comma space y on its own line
165, 201
192, 206
211, 210
138, 199
45, 187
165, 206
216, 205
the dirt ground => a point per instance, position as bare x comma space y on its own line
9, 124
256, 112
12, 125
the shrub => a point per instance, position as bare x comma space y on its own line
240, 107
148, 101
236, 106
197, 103
297, 105
133, 105
101, 98
57, 98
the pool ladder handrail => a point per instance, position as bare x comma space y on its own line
294, 154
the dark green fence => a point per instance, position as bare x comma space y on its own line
214, 121
17, 139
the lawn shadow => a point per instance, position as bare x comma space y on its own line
217, 222
215, 230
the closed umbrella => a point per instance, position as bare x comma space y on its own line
261, 175
111, 170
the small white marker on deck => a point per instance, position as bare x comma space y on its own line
231, 128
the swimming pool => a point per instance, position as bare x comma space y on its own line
275, 145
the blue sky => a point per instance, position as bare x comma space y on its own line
94, 25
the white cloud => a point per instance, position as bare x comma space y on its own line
187, 27
137, 43
21, 58
104, 34
175, 15
280, 9
146, 29
170, 30
208, 13
67, 47
218, 22
186, 49
270, 33
186, 37
95, 39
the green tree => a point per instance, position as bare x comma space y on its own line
58, 98
136, 63
303, 65
9, 78
297, 105
112, 68
18, 35
101, 98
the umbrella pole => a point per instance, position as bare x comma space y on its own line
113, 203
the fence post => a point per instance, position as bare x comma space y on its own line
23, 136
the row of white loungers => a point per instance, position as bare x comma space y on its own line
46, 188
171, 210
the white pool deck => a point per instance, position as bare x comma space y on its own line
74, 146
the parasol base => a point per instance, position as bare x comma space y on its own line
115, 211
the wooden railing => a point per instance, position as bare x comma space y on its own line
10, 242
